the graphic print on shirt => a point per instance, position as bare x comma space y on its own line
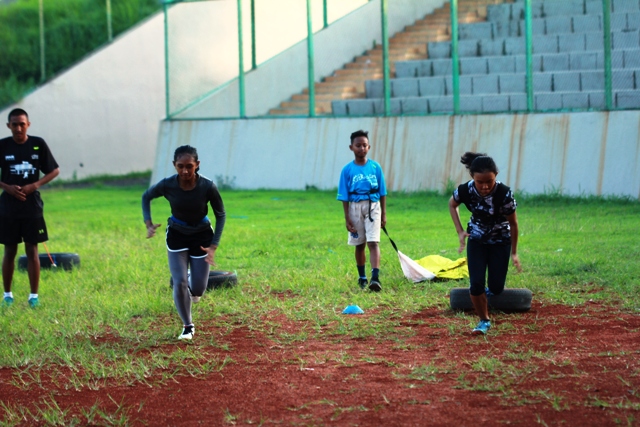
25, 169
371, 178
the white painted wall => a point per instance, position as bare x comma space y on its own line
204, 57
101, 116
594, 153
286, 74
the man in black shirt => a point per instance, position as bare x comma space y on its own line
22, 158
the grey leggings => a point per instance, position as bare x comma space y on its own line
179, 263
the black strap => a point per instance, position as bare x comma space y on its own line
371, 191
390, 239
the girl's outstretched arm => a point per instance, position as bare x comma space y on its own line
455, 216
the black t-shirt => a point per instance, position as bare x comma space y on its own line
188, 206
21, 164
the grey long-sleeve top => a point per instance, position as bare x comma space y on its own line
188, 206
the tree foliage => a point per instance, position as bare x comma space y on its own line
73, 28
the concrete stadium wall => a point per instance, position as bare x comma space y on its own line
102, 115
286, 74
592, 153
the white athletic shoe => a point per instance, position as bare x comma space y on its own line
195, 299
187, 333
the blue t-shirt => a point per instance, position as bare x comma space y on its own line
364, 182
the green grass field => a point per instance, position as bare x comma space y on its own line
281, 243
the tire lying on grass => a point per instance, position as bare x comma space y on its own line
218, 279
510, 300
64, 260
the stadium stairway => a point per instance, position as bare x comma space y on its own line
409, 44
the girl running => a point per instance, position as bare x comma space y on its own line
191, 243
492, 231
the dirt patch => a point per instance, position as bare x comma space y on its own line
554, 365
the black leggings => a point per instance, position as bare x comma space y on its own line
487, 260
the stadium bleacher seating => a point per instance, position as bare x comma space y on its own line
568, 63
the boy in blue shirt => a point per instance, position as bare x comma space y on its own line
362, 191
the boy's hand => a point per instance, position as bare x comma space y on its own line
17, 192
350, 227
28, 189
383, 220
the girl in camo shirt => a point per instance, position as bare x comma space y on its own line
492, 231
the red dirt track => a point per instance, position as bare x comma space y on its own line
554, 365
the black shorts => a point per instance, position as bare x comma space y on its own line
178, 242
14, 231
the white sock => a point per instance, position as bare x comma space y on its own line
31, 296
8, 294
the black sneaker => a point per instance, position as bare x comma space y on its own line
363, 283
187, 333
375, 285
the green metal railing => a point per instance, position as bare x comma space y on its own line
310, 60
241, 86
455, 57
385, 5
606, 29
528, 25
385, 57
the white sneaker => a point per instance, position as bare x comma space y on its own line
187, 333
194, 299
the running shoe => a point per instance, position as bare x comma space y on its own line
194, 298
375, 285
187, 333
7, 301
363, 283
33, 302
482, 328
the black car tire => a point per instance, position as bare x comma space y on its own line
64, 260
218, 279
510, 300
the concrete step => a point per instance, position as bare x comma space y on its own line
423, 31
406, 55
343, 87
296, 111
363, 65
357, 85
320, 105
403, 47
351, 77
328, 96
358, 72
